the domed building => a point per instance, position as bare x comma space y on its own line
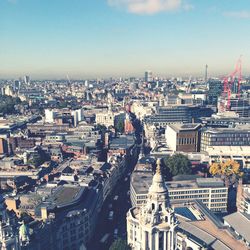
153, 226
8, 238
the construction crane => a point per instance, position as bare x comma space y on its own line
230, 79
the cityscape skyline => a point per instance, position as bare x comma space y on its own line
122, 38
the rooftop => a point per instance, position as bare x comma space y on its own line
185, 127
240, 223
122, 142
142, 180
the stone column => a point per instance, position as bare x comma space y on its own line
143, 242
156, 240
165, 241
168, 235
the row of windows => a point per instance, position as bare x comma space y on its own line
218, 200
224, 190
218, 195
218, 204
189, 192
189, 197
227, 135
183, 141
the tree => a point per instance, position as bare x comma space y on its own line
176, 165
119, 126
101, 127
229, 170
119, 244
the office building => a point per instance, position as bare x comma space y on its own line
178, 114
239, 136
211, 191
215, 88
183, 137
148, 76
49, 115
26, 80
241, 154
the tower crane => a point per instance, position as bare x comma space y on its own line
230, 79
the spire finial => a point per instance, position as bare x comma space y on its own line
158, 167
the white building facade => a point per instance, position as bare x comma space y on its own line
153, 225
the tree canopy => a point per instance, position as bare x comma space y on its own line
177, 164
119, 126
119, 244
229, 170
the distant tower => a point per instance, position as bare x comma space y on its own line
148, 76
26, 80
206, 68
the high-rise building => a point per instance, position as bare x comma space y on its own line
148, 76
49, 115
16, 85
26, 80
239, 104
215, 88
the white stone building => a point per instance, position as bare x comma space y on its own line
153, 225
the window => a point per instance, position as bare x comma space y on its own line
153, 206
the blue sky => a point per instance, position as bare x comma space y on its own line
100, 38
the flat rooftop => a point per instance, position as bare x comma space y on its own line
238, 129
185, 127
142, 180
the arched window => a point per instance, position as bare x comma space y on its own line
160, 207
153, 206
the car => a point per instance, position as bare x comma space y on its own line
111, 215
116, 233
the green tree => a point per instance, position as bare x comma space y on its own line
119, 244
177, 164
101, 127
119, 126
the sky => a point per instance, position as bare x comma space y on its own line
103, 38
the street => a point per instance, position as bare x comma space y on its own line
119, 207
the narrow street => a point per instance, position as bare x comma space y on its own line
118, 202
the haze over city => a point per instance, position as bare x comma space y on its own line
124, 124
99, 38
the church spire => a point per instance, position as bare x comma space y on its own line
158, 166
